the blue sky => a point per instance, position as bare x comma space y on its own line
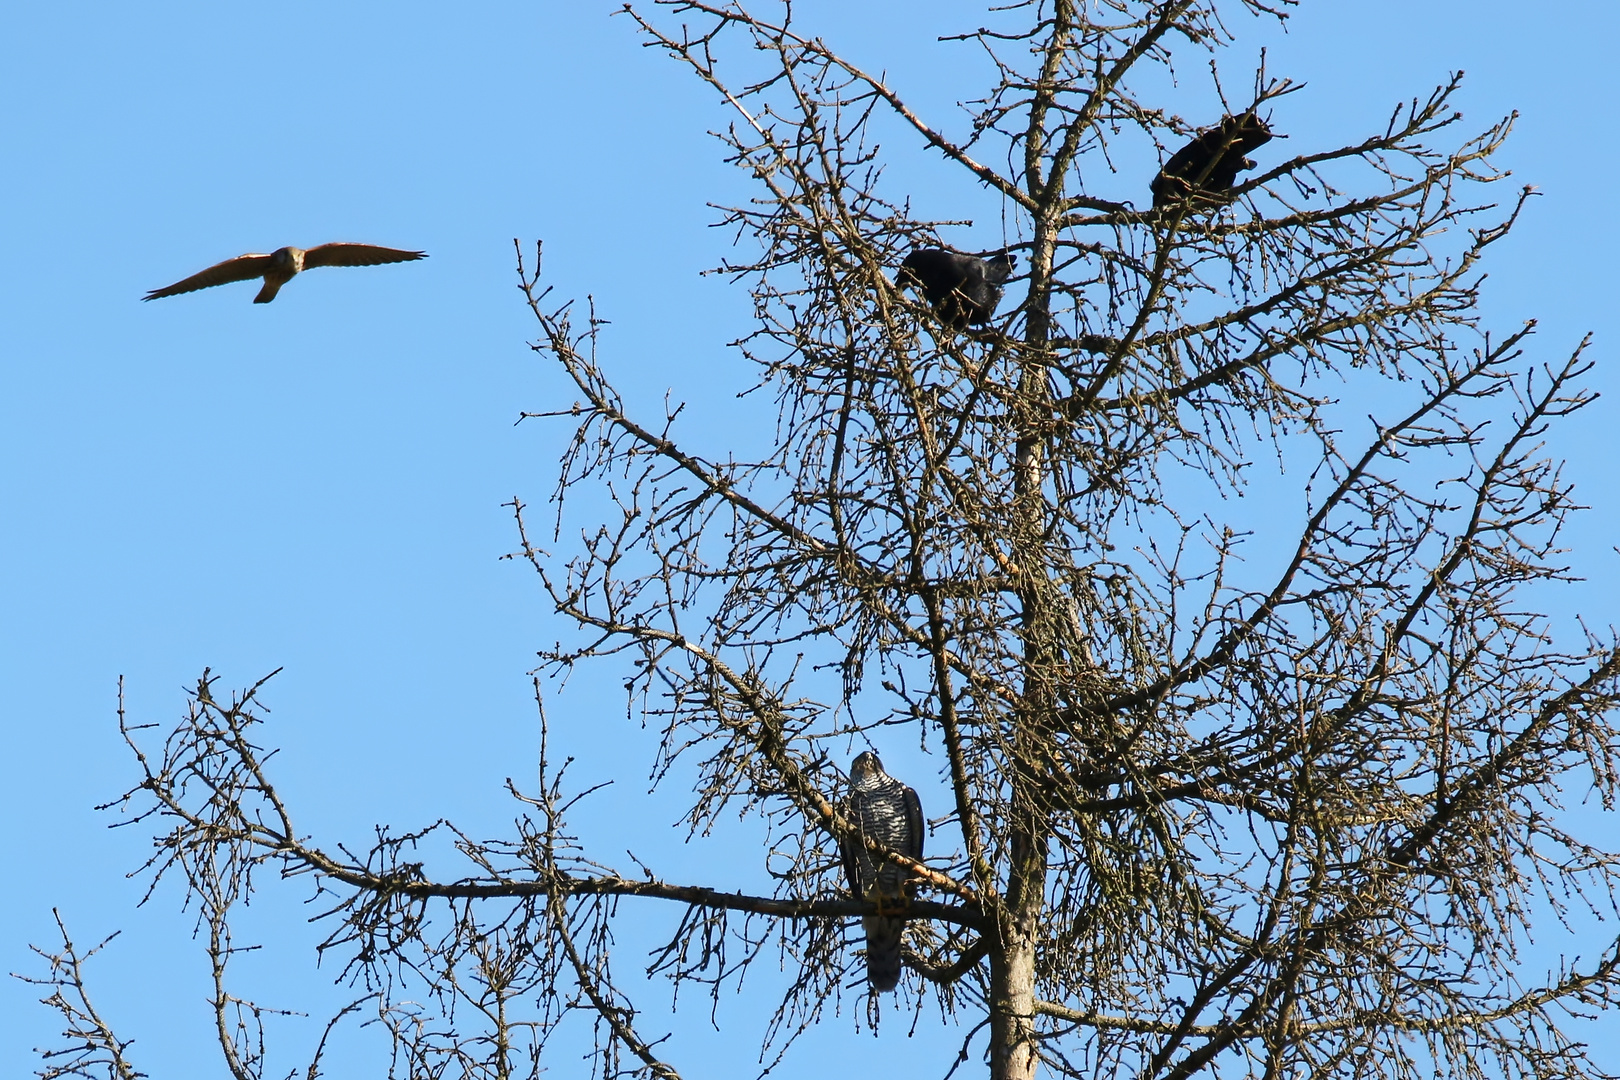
317, 484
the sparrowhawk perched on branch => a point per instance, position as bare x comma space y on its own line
888, 812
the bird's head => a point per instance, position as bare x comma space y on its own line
287, 258
866, 766
1245, 132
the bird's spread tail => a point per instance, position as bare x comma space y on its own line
883, 951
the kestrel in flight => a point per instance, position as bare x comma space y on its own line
278, 267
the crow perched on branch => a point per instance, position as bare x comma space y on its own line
1208, 166
962, 289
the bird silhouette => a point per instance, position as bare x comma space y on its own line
1208, 166
278, 267
962, 289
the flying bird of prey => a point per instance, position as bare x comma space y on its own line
888, 812
278, 267
962, 289
1210, 163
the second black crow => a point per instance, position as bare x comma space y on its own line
962, 289
1211, 162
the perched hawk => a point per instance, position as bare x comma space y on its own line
278, 267
1211, 162
886, 811
962, 289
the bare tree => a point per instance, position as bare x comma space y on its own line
1282, 804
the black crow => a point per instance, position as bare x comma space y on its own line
1211, 162
962, 289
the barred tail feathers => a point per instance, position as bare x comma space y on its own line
883, 951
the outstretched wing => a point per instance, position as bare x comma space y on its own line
240, 268
357, 255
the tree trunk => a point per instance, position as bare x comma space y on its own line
1014, 1052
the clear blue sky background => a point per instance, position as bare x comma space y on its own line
317, 484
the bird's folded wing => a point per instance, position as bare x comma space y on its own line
357, 255
915, 826
240, 268
852, 861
